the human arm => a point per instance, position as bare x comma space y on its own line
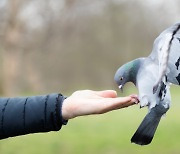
24, 115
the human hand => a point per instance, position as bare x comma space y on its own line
88, 102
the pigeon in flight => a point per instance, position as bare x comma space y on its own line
152, 76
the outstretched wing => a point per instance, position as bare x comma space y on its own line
163, 45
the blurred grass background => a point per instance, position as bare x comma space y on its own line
105, 134
51, 46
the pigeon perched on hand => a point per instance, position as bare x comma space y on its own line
152, 76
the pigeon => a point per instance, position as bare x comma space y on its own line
153, 76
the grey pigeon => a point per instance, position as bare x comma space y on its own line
152, 76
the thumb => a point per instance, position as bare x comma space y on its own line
107, 93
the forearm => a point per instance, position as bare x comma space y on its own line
19, 116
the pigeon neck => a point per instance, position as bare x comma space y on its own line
134, 70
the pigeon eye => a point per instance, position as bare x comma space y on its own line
121, 78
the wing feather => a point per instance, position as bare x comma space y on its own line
162, 49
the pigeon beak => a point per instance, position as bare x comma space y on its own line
121, 88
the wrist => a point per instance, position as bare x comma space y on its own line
64, 119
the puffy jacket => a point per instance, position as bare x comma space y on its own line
20, 116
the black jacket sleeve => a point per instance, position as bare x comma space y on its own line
20, 116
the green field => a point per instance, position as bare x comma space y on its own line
105, 134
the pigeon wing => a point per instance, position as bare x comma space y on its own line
161, 50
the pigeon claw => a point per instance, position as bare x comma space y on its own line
141, 106
144, 105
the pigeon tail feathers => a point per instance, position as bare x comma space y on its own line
147, 129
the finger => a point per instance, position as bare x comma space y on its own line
107, 93
109, 104
127, 104
135, 97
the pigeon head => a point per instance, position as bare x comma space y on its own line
127, 73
